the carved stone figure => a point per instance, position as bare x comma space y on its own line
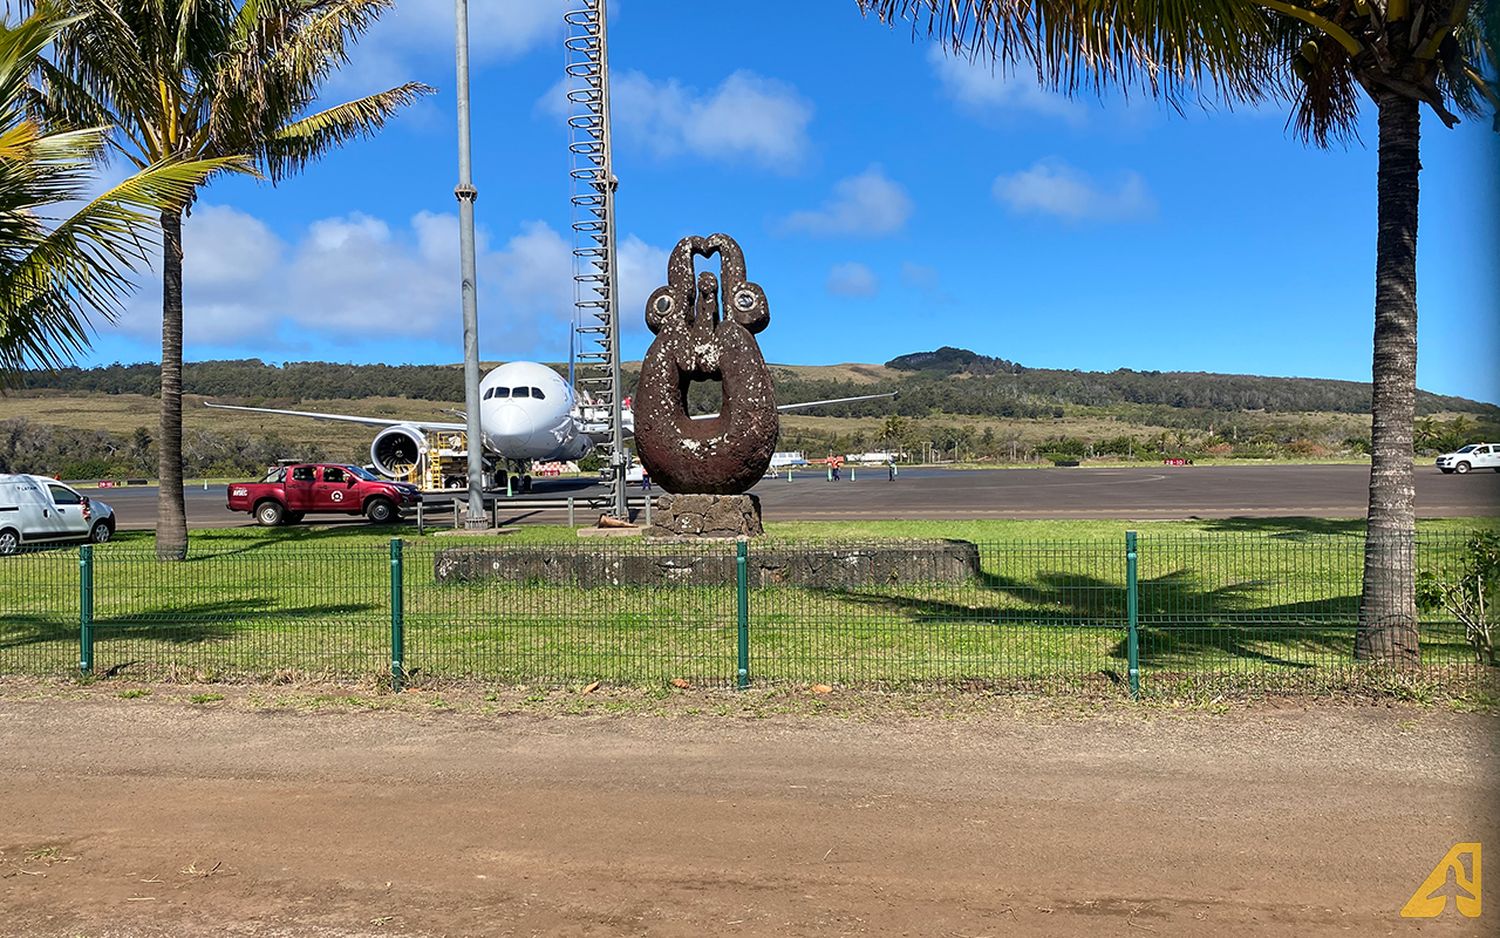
705, 332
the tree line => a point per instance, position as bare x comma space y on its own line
979, 388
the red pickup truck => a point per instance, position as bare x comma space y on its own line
290, 492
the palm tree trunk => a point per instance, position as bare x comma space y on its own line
171, 510
1387, 607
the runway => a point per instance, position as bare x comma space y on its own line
1155, 493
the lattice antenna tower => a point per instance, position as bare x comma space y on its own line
596, 293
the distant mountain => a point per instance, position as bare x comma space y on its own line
948, 380
1183, 389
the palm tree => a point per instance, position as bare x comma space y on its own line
202, 79
1318, 55
58, 266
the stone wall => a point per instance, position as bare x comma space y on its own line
827, 567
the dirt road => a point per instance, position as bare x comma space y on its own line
155, 817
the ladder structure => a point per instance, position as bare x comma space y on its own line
596, 292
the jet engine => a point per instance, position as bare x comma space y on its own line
397, 450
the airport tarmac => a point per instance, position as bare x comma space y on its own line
1154, 493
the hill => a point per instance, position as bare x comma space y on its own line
949, 380
101, 421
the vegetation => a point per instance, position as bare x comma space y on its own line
1316, 55
1255, 603
210, 79
95, 423
60, 265
1469, 590
973, 387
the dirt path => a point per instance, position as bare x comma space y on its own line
150, 817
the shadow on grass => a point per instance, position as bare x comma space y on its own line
188, 624
1181, 621
1287, 527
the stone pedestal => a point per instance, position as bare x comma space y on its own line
706, 516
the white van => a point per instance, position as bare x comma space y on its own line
39, 510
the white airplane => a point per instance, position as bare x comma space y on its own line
527, 413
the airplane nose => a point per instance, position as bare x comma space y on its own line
511, 429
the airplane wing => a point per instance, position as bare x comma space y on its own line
346, 418
806, 404
837, 400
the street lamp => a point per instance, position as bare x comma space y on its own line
466, 194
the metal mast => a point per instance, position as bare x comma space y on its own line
466, 194
595, 284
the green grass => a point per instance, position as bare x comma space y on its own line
1264, 601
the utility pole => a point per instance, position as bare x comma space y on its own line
466, 194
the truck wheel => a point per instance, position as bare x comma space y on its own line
1462, 467
100, 532
295, 517
380, 511
269, 514
10, 542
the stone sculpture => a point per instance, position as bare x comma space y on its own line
705, 331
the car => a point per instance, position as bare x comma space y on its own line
38, 510
1473, 456
289, 493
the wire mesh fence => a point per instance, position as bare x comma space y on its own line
1267, 609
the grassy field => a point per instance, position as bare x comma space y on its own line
1262, 602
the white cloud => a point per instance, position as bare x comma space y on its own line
869, 204
350, 278
417, 37
980, 87
747, 118
1052, 187
853, 279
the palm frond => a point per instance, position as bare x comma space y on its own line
302, 141
1171, 48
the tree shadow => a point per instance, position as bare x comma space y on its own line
1180, 620
1287, 527
189, 624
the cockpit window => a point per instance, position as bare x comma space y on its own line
537, 394
502, 392
521, 392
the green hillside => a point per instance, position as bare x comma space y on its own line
101, 421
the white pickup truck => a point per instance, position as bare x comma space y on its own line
1473, 456
39, 510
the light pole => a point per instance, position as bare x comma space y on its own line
466, 194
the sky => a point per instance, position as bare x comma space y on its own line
889, 199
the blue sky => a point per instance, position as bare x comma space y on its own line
888, 199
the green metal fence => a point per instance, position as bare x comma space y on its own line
1150, 612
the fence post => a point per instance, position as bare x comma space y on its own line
742, 616
1132, 616
86, 609
398, 619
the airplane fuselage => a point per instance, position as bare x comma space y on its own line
526, 413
